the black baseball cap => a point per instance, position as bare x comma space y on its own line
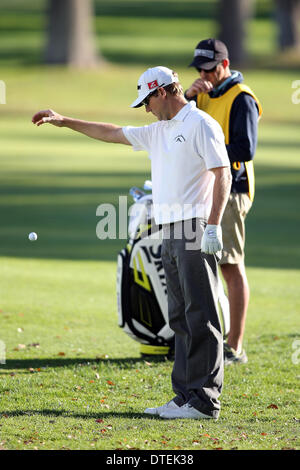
209, 53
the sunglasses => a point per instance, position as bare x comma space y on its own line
209, 70
145, 102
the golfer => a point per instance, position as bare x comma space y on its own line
191, 184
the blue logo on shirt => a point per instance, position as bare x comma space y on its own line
179, 138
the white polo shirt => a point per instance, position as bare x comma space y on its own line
182, 150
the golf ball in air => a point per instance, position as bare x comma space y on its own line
32, 236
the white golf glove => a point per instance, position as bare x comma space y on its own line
211, 241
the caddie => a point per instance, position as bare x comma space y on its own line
220, 92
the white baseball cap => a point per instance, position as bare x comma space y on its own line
152, 79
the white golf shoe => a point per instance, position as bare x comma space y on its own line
171, 405
185, 411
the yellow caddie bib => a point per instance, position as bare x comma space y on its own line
219, 108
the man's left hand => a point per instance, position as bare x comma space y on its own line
211, 241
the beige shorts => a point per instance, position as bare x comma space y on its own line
233, 228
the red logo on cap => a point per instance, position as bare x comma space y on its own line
152, 85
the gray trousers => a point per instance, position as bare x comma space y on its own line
191, 277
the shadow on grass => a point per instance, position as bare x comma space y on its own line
30, 23
31, 56
22, 56
118, 9
274, 219
54, 413
131, 8
37, 363
61, 208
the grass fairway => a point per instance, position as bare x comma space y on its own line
72, 379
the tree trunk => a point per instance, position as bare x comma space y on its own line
233, 15
287, 16
70, 37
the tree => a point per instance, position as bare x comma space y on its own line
287, 16
70, 37
233, 15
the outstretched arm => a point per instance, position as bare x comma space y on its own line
97, 130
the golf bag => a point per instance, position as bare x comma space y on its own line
141, 286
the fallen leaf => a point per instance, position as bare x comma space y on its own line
273, 406
61, 354
99, 420
110, 382
263, 433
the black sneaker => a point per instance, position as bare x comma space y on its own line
232, 357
